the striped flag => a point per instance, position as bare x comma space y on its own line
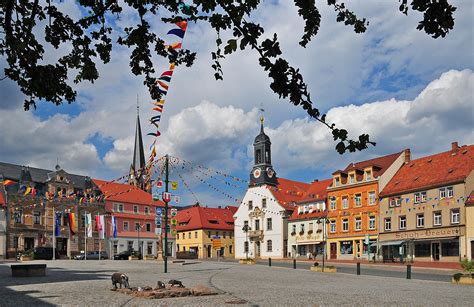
89, 225
114, 227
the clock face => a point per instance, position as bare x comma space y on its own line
270, 172
256, 173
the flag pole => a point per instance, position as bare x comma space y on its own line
85, 235
54, 234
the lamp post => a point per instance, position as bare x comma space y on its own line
246, 229
323, 220
139, 227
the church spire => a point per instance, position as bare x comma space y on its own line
137, 168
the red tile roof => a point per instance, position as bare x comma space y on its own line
233, 209
198, 217
316, 191
288, 192
126, 193
436, 170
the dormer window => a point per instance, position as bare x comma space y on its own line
337, 181
368, 175
351, 178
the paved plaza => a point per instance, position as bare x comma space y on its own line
88, 283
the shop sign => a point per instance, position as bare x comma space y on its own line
429, 233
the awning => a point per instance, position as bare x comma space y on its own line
391, 243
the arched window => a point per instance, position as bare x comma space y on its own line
269, 245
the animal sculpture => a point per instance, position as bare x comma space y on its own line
176, 283
121, 279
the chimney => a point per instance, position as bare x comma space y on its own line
315, 180
454, 147
407, 154
219, 207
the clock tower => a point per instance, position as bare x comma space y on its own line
262, 171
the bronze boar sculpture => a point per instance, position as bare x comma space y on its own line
175, 283
120, 278
160, 285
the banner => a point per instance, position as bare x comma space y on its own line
102, 227
114, 227
72, 223
89, 225
57, 228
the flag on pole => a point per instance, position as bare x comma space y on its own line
89, 225
114, 227
102, 227
57, 227
72, 223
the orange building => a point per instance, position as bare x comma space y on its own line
353, 205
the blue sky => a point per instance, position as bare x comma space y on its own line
394, 82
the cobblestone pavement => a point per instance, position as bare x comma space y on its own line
87, 283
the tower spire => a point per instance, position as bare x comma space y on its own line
137, 168
262, 118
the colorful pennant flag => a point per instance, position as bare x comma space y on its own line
8, 182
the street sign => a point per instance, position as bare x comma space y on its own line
159, 211
174, 185
159, 184
216, 243
174, 211
166, 197
173, 232
158, 231
174, 222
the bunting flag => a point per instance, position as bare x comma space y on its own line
114, 227
89, 225
33, 192
8, 182
72, 223
57, 228
27, 191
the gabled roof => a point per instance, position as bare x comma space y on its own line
126, 193
287, 192
198, 217
432, 171
316, 191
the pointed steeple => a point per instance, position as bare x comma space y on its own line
137, 168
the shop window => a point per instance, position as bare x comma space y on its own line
125, 226
345, 202
422, 249
269, 245
358, 224
372, 199
371, 222
358, 200
332, 226
345, 225
450, 248
420, 220
455, 216
437, 218
333, 203
345, 248
388, 224
403, 222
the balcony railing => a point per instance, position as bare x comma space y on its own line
256, 235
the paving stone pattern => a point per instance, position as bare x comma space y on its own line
87, 283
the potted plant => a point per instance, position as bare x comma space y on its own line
134, 256
27, 256
467, 277
293, 233
301, 233
310, 232
327, 269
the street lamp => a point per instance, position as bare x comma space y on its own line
246, 229
139, 227
324, 220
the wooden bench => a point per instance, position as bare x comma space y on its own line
28, 270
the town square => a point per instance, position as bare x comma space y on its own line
260, 153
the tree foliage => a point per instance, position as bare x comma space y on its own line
89, 40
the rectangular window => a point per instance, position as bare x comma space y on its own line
147, 210
417, 198
345, 225
36, 217
246, 225
345, 202
351, 178
246, 247
358, 200
371, 222
177, 236
358, 224
388, 224
442, 193
368, 175
450, 248
250, 205
135, 209
337, 182
125, 226
264, 202
269, 224
455, 216
423, 197
293, 229
391, 203
311, 226
195, 235
269, 245
450, 192
403, 222
209, 233
189, 235
217, 233
120, 208
333, 203
437, 218
420, 220
422, 249
301, 228
148, 227
224, 234
398, 201
257, 224
137, 226
346, 247
332, 226
372, 199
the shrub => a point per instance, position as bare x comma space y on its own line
330, 267
457, 277
467, 265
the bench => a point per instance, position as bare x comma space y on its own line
28, 270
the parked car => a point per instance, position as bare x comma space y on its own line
124, 255
92, 255
41, 253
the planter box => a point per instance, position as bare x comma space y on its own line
326, 269
149, 257
464, 280
133, 258
247, 261
26, 258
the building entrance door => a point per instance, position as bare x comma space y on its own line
209, 255
29, 243
333, 251
435, 250
472, 250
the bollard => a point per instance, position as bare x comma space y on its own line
294, 263
269, 261
358, 268
409, 271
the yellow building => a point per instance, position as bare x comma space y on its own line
205, 232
